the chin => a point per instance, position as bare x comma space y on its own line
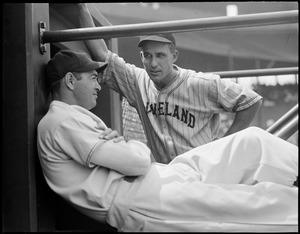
155, 79
91, 106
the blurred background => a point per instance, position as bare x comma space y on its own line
261, 47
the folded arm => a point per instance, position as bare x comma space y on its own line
130, 158
97, 48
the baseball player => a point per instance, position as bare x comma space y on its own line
242, 182
179, 108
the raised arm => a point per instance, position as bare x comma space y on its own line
243, 118
97, 48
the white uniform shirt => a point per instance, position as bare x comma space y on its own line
211, 182
182, 115
68, 139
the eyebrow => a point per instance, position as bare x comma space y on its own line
156, 53
94, 73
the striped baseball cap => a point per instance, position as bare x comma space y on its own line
163, 37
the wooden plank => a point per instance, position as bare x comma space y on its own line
21, 67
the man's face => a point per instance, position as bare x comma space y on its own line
86, 89
158, 62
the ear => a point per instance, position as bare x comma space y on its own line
141, 54
69, 80
175, 56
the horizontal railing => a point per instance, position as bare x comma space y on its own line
258, 72
202, 24
288, 130
283, 120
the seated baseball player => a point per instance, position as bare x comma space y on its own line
242, 182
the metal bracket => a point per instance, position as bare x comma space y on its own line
42, 29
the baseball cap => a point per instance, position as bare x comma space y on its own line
164, 37
66, 61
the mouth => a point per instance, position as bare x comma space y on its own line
154, 73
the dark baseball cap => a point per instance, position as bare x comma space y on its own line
66, 61
164, 37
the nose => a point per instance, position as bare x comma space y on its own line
98, 87
153, 62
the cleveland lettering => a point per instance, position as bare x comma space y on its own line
163, 108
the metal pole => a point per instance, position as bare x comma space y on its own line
250, 20
258, 72
289, 129
283, 120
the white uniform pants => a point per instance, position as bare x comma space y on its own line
210, 189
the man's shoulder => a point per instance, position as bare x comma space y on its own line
192, 74
59, 112
195, 77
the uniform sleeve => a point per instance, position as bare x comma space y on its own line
79, 139
130, 158
230, 95
121, 76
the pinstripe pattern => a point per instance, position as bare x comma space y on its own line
184, 114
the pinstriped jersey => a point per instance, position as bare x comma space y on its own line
182, 115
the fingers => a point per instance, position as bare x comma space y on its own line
109, 134
118, 139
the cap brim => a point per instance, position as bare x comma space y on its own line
102, 67
98, 66
154, 38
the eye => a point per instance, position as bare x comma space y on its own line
160, 55
94, 78
100, 80
147, 56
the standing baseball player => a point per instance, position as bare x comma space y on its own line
179, 108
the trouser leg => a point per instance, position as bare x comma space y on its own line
176, 199
244, 157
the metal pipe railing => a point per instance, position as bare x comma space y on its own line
106, 32
257, 72
288, 130
283, 120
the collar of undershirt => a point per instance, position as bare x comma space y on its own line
174, 81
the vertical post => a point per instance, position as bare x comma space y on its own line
259, 115
23, 103
40, 99
115, 98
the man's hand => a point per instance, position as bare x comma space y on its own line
109, 134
